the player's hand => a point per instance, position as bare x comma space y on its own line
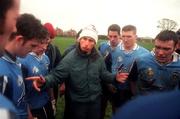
122, 77
38, 81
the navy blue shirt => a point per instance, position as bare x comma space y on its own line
154, 106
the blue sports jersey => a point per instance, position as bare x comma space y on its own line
153, 76
126, 59
105, 48
36, 66
106, 51
13, 84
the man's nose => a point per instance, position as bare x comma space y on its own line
161, 52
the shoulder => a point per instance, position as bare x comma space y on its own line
70, 48
71, 55
52, 48
143, 50
55, 47
26, 60
45, 56
104, 44
4, 66
154, 106
2, 62
145, 56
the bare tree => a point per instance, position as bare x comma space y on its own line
167, 24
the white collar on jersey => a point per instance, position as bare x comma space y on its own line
36, 56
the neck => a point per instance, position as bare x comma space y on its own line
129, 48
114, 46
10, 48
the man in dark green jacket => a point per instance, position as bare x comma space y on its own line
85, 70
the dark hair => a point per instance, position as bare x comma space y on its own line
114, 27
167, 35
129, 28
43, 34
178, 34
29, 27
5, 5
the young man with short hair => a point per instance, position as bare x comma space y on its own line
125, 57
21, 42
159, 75
159, 71
107, 49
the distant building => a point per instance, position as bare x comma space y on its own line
70, 33
59, 32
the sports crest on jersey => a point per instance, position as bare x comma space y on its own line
120, 59
175, 78
35, 70
149, 72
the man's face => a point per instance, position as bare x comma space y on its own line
25, 47
114, 38
86, 44
41, 48
10, 23
49, 40
129, 39
164, 50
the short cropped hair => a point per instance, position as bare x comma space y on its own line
178, 34
114, 27
29, 27
167, 35
129, 28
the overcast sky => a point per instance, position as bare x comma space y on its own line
75, 14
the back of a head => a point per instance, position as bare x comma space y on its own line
114, 27
29, 27
50, 29
4, 6
129, 28
167, 35
178, 34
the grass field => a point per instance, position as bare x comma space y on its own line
63, 43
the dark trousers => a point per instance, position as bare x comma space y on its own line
85, 110
55, 92
116, 99
120, 98
107, 96
67, 114
45, 112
